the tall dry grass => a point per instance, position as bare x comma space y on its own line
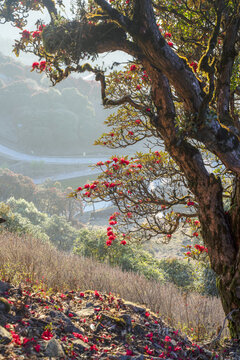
23, 258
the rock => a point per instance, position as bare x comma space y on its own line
128, 321
134, 307
67, 324
4, 305
128, 357
85, 312
54, 349
4, 287
138, 329
5, 336
89, 304
80, 345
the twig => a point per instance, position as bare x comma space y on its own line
222, 328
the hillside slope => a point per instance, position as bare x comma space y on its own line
86, 325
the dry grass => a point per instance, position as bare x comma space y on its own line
25, 257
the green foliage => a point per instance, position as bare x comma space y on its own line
23, 217
50, 199
60, 232
17, 223
178, 272
185, 275
27, 210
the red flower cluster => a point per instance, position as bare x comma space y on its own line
81, 337
36, 34
201, 248
124, 161
194, 65
111, 236
16, 338
167, 35
35, 65
41, 27
26, 34
42, 65
145, 76
148, 351
133, 67
47, 335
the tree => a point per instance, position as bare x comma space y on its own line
180, 93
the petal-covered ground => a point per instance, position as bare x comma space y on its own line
88, 325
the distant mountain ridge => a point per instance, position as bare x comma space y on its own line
43, 120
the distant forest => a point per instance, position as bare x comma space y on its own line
39, 119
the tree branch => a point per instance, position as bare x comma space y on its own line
50, 6
109, 102
225, 68
122, 20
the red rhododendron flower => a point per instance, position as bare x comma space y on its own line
26, 34
36, 34
37, 348
123, 242
81, 294
194, 65
93, 347
108, 243
96, 293
47, 335
133, 67
138, 87
170, 43
109, 228
42, 65
79, 188
41, 27
81, 337
113, 222
167, 339
35, 65
129, 352
167, 34
138, 121
190, 203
